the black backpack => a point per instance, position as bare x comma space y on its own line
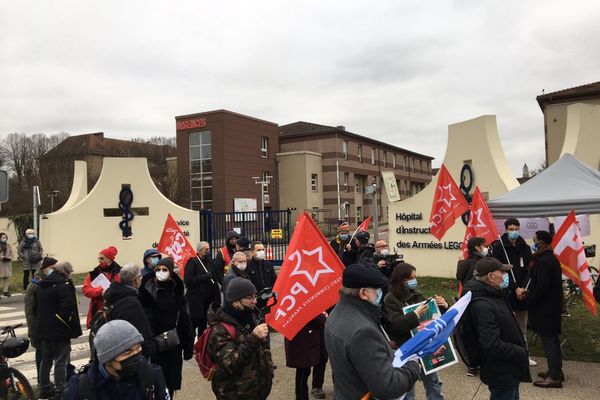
466, 338
86, 390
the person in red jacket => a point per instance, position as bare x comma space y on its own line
110, 269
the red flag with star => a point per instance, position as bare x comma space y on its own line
448, 204
568, 248
481, 223
308, 282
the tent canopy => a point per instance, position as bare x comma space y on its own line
565, 185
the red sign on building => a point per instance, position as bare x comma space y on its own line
191, 124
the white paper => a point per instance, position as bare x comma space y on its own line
101, 281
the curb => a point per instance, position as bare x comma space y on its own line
20, 297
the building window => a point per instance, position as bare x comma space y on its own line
200, 170
315, 214
346, 210
357, 184
385, 158
264, 146
393, 160
358, 213
314, 182
346, 180
359, 153
345, 149
372, 156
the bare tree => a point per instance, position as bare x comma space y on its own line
158, 140
15, 152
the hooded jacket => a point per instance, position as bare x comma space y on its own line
148, 253
220, 264
95, 293
55, 309
244, 366
360, 355
504, 360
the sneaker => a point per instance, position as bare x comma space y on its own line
532, 362
318, 393
471, 371
544, 375
6, 294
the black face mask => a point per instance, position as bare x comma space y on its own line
130, 366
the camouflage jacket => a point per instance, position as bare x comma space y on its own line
244, 366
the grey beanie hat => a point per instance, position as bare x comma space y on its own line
239, 287
114, 338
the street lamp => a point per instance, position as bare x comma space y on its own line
372, 189
264, 183
52, 196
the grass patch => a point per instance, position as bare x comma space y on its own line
581, 328
16, 280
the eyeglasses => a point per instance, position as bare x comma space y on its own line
101, 258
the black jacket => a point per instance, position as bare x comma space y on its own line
347, 257
519, 256
126, 305
504, 358
233, 272
55, 309
545, 294
365, 255
465, 268
202, 287
261, 273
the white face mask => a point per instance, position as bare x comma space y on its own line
162, 275
260, 254
385, 252
241, 266
484, 251
48, 271
30, 236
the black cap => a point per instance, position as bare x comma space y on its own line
167, 262
363, 236
243, 243
239, 287
490, 264
358, 276
48, 262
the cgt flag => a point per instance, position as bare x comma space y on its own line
481, 223
568, 248
174, 243
308, 282
448, 204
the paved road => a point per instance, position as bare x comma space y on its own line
582, 378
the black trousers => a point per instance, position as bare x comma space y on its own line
551, 345
26, 278
302, 375
199, 324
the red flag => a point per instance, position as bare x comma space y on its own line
448, 204
174, 243
481, 223
568, 248
362, 227
309, 280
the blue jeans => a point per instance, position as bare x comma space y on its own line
505, 393
432, 385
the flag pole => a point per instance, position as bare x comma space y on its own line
507, 259
205, 269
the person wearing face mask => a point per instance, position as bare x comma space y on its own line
110, 269
202, 286
403, 292
165, 305
519, 256
57, 322
31, 253
341, 244
244, 364
225, 254
465, 268
120, 372
503, 357
544, 298
237, 268
150, 259
6, 255
261, 272
122, 297
359, 351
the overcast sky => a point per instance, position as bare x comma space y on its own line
398, 71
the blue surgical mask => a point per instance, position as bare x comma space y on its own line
534, 247
411, 284
377, 301
504, 283
513, 235
344, 236
154, 261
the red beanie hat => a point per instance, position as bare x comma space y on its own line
110, 252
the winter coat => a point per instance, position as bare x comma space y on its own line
244, 366
307, 348
262, 274
202, 287
360, 355
465, 268
146, 270
545, 295
31, 253
365, 255
234, 272
597, 291
55, 309
6, 256
107, 387
220, 264
29, 306
519, 256
95, 293
504, 360
126, 305
166, 308
339, 246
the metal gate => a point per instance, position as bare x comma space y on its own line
271, 227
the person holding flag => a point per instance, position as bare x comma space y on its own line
545, 299
360, 353
341, 243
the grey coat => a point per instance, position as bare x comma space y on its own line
29, 251
360, 355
